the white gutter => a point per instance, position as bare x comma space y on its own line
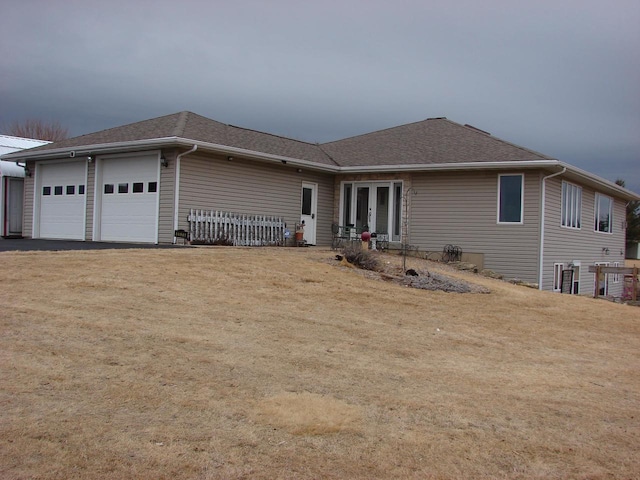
176, 194
429, 167
542, 222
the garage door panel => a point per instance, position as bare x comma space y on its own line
62, 200
129, 199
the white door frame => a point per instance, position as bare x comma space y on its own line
310, 218
372, 199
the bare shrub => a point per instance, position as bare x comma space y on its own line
364, 259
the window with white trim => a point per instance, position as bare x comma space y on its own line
510, 198
615, 278
604, 214
557, 276
571, 205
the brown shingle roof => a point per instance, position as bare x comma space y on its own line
191, 126
432, 141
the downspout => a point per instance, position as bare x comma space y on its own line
176, 194
542, 217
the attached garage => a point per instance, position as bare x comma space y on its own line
127, 199
62, 200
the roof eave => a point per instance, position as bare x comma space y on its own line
435, 167
105, 148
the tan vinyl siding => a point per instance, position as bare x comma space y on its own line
27, 209
565, 245
167, 195
89, 191
242, 186
461, 209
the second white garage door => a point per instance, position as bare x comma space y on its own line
129, 195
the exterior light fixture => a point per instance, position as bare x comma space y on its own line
164, 161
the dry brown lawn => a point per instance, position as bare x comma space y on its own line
233, 363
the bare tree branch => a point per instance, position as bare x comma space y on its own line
38, 129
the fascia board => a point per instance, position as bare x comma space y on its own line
254, 155
436, 167
94, 149
600, 182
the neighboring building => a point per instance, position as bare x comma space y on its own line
12, 185
519, 212
633, 251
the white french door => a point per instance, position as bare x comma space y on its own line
372, 206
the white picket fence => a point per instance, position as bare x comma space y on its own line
210, 226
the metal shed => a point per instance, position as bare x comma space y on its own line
12, 185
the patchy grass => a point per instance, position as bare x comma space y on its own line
277, 363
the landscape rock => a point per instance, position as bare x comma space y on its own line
491, 274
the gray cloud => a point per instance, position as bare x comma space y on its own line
558, 77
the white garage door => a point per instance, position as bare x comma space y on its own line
62, 200
129, 193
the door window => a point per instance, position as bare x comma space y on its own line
307, 195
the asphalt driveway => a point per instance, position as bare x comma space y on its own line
28, 244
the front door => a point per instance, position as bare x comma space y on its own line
308, 211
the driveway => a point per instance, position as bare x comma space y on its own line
28, 244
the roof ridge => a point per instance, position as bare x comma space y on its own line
178, 130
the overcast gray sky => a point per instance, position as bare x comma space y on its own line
559, 77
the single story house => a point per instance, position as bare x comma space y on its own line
12, 185
431, 183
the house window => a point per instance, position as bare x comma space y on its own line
80, 189
71, 189
123, 188
571, 205
108, 188
557, 276
615, 278
153, 187
46, 190
604, 214
57, 190
138, 187
510, 189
